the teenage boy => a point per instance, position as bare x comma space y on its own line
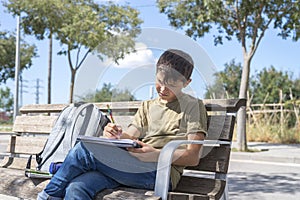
173, 115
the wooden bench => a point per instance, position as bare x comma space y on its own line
208, 180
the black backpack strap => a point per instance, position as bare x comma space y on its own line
28, 165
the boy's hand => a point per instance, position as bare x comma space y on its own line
112, 131
146, 153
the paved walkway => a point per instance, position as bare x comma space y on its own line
281, 153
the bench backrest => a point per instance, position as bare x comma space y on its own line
221, 121
38, 120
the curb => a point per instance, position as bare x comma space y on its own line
255, 156
268, 152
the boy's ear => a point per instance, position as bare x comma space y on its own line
187, 82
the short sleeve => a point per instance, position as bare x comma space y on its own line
140, 119
197, 118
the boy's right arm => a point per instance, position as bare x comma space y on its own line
114, 131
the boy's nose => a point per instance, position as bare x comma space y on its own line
163, 88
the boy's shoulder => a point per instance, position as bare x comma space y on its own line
189, 98
150, 101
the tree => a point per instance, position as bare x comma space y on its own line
245, 20
82, 27
8, 53
107, 94
6, 99
296, 89
38, 20
227, 82
268, 83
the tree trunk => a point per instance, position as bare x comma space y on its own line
241, 115
73, 74
49, 69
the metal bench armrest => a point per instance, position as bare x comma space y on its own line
165, 161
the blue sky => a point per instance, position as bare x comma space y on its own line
284, 55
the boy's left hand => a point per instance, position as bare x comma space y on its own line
146, 153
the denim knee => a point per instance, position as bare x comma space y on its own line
78, 190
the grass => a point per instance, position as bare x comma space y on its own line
5, 126
273, 133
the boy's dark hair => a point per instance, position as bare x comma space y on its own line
176, 65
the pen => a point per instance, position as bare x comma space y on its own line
110, 113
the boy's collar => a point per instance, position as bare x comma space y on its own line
166, 102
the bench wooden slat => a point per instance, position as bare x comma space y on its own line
208, 187
213, 159
42, 108
229, 105
220, 127
129, 106
26, 145
34, 124
122, 193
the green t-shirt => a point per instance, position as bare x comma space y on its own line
160, 123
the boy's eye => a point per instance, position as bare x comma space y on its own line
159, 81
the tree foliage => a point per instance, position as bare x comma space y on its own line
81, 27
108, 94
266, 86
227, 82
38, 20
6, 99
8, 55
296, 90
245, 20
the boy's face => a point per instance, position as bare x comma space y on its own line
168, 91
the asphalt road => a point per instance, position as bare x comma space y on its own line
250, 180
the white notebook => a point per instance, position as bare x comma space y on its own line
111, 142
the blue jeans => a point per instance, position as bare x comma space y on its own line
84, 173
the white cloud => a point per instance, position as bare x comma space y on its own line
141, 57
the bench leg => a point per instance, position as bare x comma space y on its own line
225, 195
7, 161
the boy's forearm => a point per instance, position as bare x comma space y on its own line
191, 155
186, 157
127, 136
131, 133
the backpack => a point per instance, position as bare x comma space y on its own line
74, 120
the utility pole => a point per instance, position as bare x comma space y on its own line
37, 91
17, 69
22, 91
